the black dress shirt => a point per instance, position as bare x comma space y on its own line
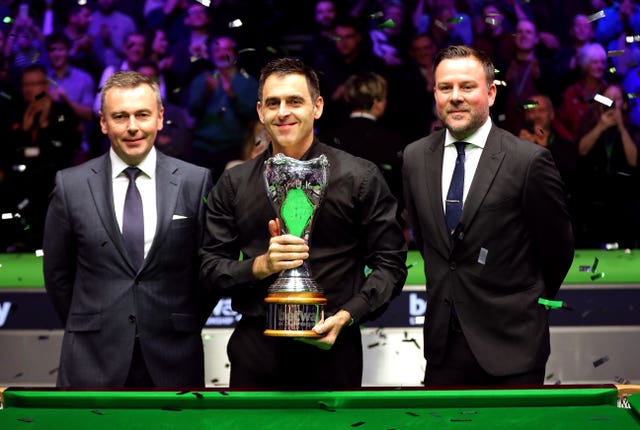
354, 227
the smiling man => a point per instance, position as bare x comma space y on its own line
121, 253
490, 220
354, 227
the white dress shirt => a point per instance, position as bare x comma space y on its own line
146, 183
473, 150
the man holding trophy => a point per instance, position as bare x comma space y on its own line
289, 235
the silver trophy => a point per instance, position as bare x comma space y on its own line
295, 300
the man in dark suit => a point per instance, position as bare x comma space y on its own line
121, 256
362, 135
494, 241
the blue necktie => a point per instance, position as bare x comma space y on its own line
456, 190
133, 219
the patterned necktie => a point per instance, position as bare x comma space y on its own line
456, 189
133, 219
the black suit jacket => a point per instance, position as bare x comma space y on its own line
516, 246
103, 301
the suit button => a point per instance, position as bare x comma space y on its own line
132, 319
452, 265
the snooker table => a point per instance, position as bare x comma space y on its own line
566, 408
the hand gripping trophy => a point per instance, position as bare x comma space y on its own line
296, 188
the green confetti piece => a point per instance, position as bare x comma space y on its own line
204, 199
550, 304
271, 49
387, 24
7, 20
455, 19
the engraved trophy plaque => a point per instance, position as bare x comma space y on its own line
295, 302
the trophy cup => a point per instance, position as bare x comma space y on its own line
295, 302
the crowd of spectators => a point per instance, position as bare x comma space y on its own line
568, 78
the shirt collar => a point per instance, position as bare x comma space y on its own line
362, 115
148, 165
478, 138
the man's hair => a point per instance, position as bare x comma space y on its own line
461, 51
290, 66
145, 62
33, 68
57, 38
363, 89
128, 79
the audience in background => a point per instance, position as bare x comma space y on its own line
608, 157
578, 97
222, 100
177, 132
43, 137
110, 29
172, 39
362, 135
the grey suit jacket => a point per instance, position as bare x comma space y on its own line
103, 301
514, 245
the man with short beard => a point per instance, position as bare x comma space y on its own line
491, 222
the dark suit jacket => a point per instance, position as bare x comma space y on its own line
368, 139
100, 297
516, 246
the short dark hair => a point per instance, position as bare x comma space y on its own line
290, 66
129, 79
34, 67
461, 51
57, 38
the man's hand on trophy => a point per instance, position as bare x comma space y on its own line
328, 329
286, 251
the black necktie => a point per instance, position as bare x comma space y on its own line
133, 219
456, 190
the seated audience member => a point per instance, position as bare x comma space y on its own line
527, 74
622, 17
191, 51
177, 132
221, 101
81, 53
444, 15
157, 50
70, 84
109, 29
410, 109
577, 98
495, 37
390, 39
134, 51
568, 66
353, 56
321, 42
23, 45
541, 129
607, 164
362, 134
43, 137
442, 27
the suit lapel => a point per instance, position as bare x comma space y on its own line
488, 166
100, 184
433, 183
167, 186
